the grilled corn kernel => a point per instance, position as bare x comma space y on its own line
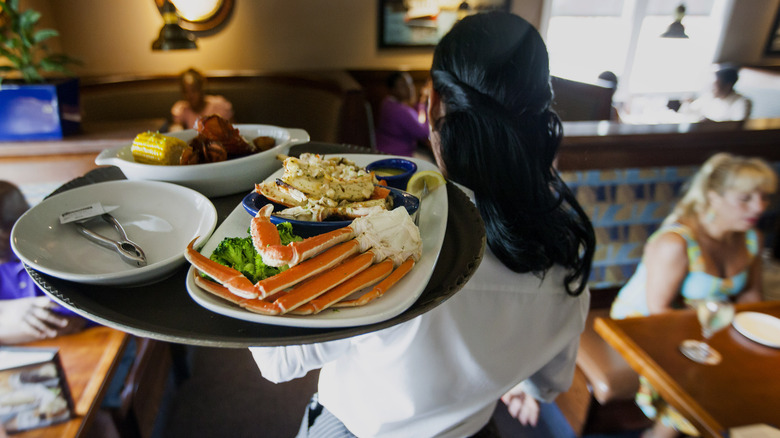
155, 148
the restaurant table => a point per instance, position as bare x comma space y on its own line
744, 389
89, 359
165, 311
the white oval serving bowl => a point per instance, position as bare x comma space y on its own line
212, 179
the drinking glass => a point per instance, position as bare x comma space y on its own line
713, 315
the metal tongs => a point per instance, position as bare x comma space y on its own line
128, 251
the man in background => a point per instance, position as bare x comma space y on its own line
722, 103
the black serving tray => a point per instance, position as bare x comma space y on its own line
165, 311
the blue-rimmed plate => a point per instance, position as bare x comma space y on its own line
255, 201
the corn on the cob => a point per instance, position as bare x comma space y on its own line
156, 148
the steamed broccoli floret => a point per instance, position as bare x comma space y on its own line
286, 233
239, 253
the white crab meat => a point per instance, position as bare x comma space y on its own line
391, 235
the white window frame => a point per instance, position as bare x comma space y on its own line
637, 10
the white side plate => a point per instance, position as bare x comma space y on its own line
161, 218
433, 225
759, 327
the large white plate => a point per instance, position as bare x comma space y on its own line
433, 224
212, 179
759, 327
161, 218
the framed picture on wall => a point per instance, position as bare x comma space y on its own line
773, 43
422, 23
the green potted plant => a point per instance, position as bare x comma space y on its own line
37, 99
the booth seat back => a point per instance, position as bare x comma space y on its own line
576, 101
288, 102
306, 102
128, 100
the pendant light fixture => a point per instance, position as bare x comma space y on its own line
172, 36
676, 29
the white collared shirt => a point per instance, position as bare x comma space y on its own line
441, 374
734, 107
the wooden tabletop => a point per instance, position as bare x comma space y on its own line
89, 359
742, 390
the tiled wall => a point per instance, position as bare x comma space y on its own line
625, 206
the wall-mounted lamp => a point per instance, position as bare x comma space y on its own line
676, 29
203, 17
172, 36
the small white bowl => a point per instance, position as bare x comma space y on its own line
212, 179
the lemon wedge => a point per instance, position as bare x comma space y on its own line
430, 178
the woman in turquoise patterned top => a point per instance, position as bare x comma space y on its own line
708, 247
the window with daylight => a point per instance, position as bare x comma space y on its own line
585, 38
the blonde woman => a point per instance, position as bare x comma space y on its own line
708, 246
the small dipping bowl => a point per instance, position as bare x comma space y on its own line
394, 171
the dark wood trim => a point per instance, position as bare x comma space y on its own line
626, 146
303, 80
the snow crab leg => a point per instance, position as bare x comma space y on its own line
325, 269
239, 285
266, 240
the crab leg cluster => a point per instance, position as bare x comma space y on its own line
324, 270
314, 188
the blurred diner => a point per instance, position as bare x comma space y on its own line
26, 313
403, 125
709, 247
722, 103
197, 102
610, 80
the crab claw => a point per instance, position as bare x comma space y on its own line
257, 306
266, 239
268, 244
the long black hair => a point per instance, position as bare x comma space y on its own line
499, 137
